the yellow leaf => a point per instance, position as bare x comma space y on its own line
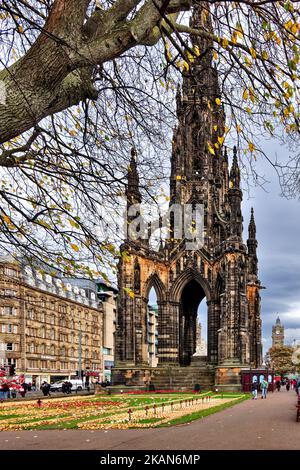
225, 43
265, 55
197, 51
221, 140
215, 128
251, 146
218, 101
253, 52
21, 29
234, 37
6, 219
178, 177
74, 247
210, 148
238, 129
245, 95
215, 55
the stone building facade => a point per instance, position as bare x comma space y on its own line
224, 270
48, 328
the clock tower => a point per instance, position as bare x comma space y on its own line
278, 333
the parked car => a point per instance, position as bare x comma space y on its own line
76, 385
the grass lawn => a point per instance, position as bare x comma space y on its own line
114, 412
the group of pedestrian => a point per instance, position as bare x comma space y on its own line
263, 387
66, 387
289, 384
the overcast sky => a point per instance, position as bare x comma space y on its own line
278, 234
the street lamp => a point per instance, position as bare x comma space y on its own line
79, 351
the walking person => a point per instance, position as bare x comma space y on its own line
297, 386
278, 385
45, 387
5, 390
288, 386
264, 389
254, 388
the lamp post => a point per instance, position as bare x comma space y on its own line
79, 352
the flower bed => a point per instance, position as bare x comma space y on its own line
147, 410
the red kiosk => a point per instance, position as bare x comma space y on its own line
249, 376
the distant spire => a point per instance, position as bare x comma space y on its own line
252, 226
235, 177
132, 192
278, 322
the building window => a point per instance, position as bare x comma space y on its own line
52, 333
42, 317
9, 347
9, 328
52, 350
43, 364
10, 293
43, 348
53, 365
31, 315
32, 348
10, 272
107, 351
8, 310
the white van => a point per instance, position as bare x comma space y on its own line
77, 384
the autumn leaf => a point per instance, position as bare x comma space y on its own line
210, 148
245, 95
251, 146
225, 43
74, 247
218, 101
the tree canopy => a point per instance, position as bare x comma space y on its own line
281, 359
83, 82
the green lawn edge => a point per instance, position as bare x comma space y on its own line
203, 413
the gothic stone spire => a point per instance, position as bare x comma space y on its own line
132, 191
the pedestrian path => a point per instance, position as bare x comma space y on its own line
253, 424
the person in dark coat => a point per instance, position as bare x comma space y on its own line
254, 388
45, 387
278, 385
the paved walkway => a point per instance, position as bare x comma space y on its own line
263, 424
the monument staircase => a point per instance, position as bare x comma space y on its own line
184, 378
